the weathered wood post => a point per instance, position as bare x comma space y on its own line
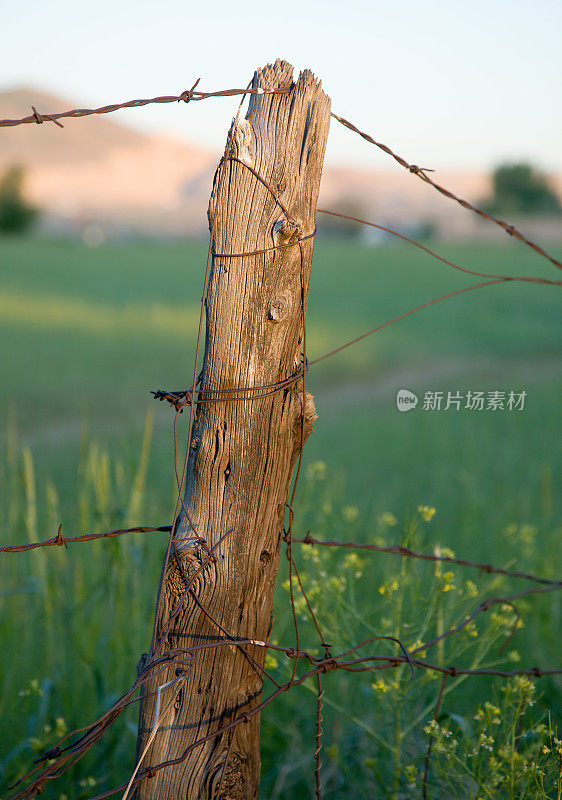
242, 453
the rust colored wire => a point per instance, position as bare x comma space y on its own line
188, 96
403, 316
400, 550
62, 758
63, 541
395, 549
421, 173
468, 271
193, 95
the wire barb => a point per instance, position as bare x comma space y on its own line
187, 96
41, 119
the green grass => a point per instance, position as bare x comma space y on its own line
86, 333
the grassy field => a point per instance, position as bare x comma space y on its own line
87, 332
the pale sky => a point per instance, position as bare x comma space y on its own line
445, 84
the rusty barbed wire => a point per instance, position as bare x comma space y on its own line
59, 540
184, 397
400, 550
187, 96
395, 549
194, 95
421, 173
403, 316
66, 757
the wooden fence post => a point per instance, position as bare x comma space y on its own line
242, 453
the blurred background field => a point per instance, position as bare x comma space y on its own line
87, 332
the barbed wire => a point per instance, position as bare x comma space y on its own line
63, 541
400, 550
421, 173
194, 95
187, 96
62, 757
394, 549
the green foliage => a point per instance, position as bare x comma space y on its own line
83, 344
505, 751
521, 189
379, 725
72, 643
16, 214
74, 622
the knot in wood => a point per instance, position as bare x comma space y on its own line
186, 568
279, 307
287, 229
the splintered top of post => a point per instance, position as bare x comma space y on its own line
282, 140
273, 76
280, 74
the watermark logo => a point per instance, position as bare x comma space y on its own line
406, 400
473, 400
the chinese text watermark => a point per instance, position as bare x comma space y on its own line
496, 400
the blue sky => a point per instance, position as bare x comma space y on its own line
446, 84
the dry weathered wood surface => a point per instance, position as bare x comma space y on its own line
242, 454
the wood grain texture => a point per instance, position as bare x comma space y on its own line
242, 454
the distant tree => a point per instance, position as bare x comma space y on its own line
520, 189
16, 214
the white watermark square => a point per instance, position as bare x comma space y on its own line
470, 400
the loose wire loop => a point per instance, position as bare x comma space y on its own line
186, 397
180, 399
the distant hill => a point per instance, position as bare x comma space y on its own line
100, 172
96, 169
42, 144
